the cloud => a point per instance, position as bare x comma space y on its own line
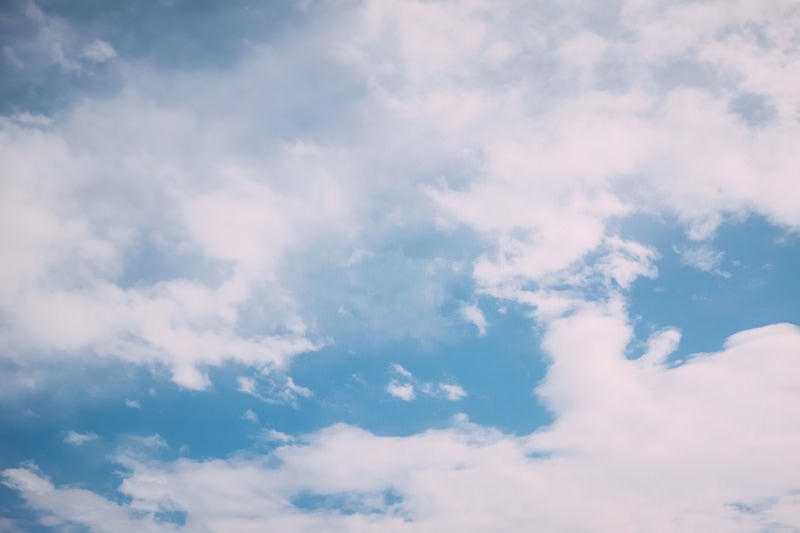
702, 257
473, 313
67, 506
133, 404
228, 209
660, 345
272, 435
154, 441
405, 387
540, 130
99, 51
249, 415
403, 391
402, 371
274, 389
77, 439
625, 439
246, 385
452, 391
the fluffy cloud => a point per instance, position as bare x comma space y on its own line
405, 387
473, 313
147, 226
403, 391
637, 445
452, 391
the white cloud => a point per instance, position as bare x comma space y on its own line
250, 416
473, 313
625, 439
452, 391
628, 260
76, 439
153, 442
403, 391
272, 435
133, 404
702, 257
401, 370
660, 345
298, 390
406, 387
99, 51
539, 162
246, 385
241, 203
274, 389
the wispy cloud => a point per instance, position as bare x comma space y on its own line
133, 404
702, 257
76, 439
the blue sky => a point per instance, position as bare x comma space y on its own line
399, 265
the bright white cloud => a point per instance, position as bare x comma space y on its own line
402, 371
660, 345
240, 202
406, 386
548, 128
473, 313
626, 438
403, 391
76, 439
452, 391
272, 435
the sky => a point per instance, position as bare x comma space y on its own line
399, 266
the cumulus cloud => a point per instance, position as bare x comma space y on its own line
226, 214
619, 453
403, 391
539, 128
405, 386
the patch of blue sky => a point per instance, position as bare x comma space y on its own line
347, 503
754, 285
164, 33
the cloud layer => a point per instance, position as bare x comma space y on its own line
637, 445
339, 177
